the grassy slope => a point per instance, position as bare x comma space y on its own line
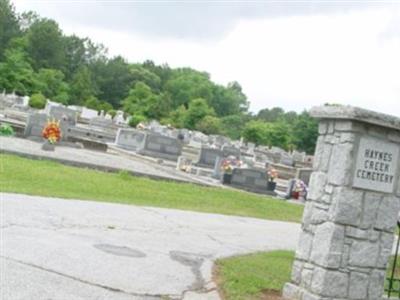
245, 277
45, 178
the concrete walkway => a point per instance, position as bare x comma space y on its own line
70, 249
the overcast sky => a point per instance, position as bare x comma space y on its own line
292, 54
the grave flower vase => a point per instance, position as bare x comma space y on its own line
227, 178
271, 185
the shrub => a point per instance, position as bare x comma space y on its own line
6, 130
136, 119
37, 101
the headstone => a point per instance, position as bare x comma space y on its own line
230, 151
208, 157
101, 121
161, 147
286, 160
130, 139
36, 123
88, 113
304, 175
352, 208
119, 118
253, 180
298, 156
60, 112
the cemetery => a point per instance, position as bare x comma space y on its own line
162, 147
350, 188
199, 150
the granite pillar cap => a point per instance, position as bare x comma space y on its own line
346, 112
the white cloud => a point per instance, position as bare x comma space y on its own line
293, 62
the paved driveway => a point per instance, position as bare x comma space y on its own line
71, 249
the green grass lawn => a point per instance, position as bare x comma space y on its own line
246, 277
47, 178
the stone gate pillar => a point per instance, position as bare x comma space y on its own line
352, 208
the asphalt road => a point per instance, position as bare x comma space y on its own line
70, 249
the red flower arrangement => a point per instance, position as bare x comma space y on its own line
52, 131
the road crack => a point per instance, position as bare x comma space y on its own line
111, 289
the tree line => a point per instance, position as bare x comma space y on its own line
39, 60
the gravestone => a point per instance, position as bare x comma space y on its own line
119, 118
37, 121
352, 208
253, 180
286, 159
298, 156
62, 113
230, 151
208, 157
101, 121
159, 146
304, 174
130, 139
88, 113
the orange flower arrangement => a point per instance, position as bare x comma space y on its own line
52, 131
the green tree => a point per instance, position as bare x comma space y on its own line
81, 52
232, 126
52, 85
139, 73
198, 109
271, 115
254, 131
277, 134
45, 45
141, 100
17, 74
164, 72
113, 79
177, 117
82, 86
305, 133
269, 134
9, 26
229, 100
136, 119
186, 84
209, 125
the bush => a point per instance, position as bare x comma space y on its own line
112, 113
37, 101
6, 130
209, 125
136, 119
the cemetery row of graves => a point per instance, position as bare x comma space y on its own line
213, 159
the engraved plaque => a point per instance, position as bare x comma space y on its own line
377, 165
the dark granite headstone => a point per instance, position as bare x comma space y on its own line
254, 180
